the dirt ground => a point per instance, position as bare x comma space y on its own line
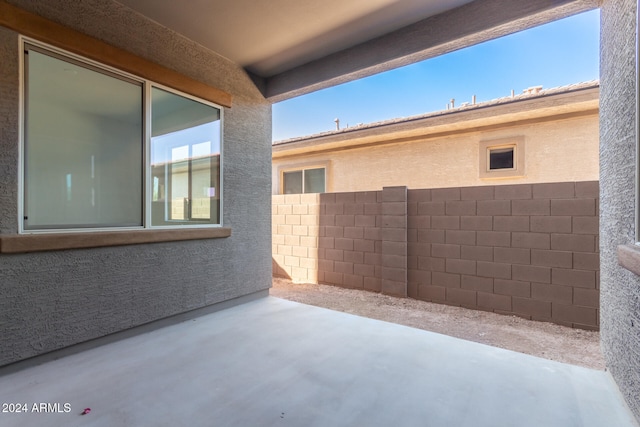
540, 339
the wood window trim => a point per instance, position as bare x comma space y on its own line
22, 243
629, 258
39, 28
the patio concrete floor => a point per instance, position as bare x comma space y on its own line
271, 362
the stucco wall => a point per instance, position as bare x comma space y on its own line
620, 289
55, 299
558, 151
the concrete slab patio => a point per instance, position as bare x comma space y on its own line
271, 362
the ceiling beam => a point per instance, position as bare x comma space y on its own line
467, 25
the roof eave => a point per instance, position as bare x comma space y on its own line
556, 106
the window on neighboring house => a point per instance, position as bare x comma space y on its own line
104, 149
303, 181
502, 158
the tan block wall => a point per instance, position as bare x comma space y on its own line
295, 231
557, 151
529, 250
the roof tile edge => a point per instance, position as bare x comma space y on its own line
526, 95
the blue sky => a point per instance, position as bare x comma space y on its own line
556, 54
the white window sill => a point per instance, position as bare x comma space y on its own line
21, 243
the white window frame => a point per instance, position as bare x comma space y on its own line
146, 140
148, 181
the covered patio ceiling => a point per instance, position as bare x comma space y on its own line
292, 47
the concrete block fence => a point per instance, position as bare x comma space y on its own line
529, 250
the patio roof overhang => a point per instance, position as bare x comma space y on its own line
293, 48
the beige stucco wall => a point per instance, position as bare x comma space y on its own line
555, 151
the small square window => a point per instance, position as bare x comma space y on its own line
502, 158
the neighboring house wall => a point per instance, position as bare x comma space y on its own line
56, 299
529, 250
555, 151
620, 298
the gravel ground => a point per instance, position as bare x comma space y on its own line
540, 339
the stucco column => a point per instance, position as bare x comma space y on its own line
394, 241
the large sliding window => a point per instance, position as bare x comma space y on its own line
103, 149
83, 146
